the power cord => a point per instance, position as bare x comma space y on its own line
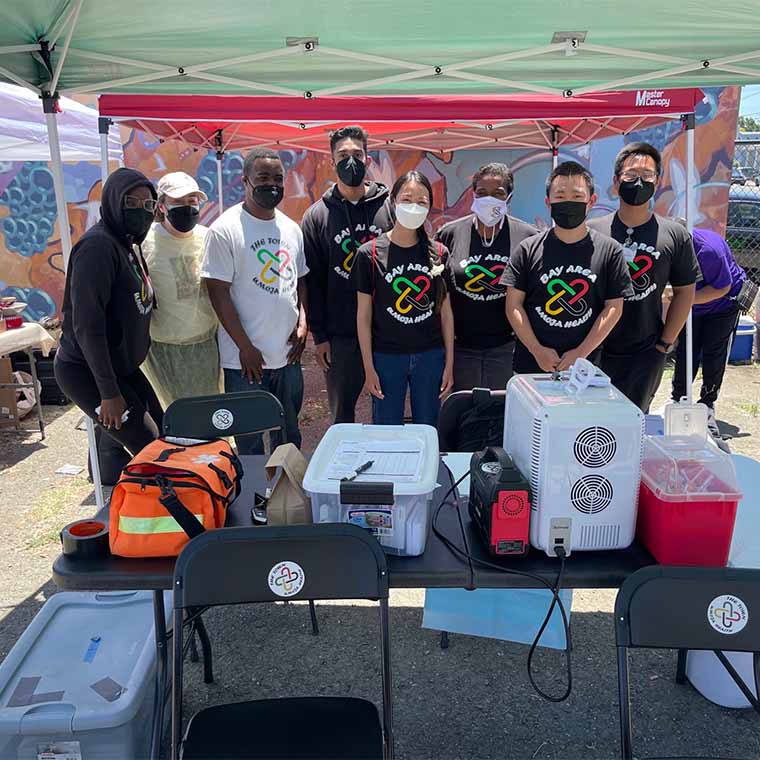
555, 587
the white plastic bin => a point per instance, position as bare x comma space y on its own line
79, 682
405, 455
712, 681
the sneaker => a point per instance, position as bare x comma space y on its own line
712, 425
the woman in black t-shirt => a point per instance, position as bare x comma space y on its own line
404, 319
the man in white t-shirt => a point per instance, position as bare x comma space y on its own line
254, 266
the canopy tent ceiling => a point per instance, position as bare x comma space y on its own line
310, 49
23, 132
432, 123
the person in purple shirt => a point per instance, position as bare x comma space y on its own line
715, 315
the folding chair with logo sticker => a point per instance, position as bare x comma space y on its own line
225, 415
707, 608
294, 562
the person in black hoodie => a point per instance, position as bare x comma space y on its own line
107, 305
351, 213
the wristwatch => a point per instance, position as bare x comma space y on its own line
667, 346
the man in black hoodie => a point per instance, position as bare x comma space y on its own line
107, 305
352, 212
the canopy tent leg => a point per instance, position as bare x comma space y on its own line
219, 177
49, 106
691, 194
104, 125
555, 147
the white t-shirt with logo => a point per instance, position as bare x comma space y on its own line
262, 259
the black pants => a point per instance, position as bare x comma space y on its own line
345, 378
78, 383
711, 343
637, 376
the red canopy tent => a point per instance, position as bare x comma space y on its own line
431, 123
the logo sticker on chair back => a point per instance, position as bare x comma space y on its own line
286, 579
727, 614
222, 419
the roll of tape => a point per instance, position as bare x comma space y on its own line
85, 539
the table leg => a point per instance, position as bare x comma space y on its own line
37, 397
159, 622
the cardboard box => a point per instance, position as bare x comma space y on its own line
8, 409
288, 504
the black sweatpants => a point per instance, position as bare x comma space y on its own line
637, 376
345, 378
78, 383
711, 343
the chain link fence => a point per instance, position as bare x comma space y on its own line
743, 223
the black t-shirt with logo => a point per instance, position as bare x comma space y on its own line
473, 275
565, 286
661, 252
404, 320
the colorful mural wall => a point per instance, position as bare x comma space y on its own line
30, 251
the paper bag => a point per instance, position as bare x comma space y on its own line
288, 504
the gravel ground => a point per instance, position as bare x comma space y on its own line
471, 701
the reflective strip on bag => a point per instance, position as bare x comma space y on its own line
151, 525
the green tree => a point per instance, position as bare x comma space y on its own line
748, 124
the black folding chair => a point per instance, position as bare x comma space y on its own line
246, 565
472, 420
226, 414
661, 607
223, 415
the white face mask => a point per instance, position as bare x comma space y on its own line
489, 210
411, 215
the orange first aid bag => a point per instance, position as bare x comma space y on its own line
170, 492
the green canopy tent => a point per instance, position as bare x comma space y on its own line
311, 50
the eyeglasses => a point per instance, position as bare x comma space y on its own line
633, 176
131, 202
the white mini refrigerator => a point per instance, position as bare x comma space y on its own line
578, 440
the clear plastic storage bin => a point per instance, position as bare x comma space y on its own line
80, 681
391, 498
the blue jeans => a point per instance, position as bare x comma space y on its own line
286, 385
422, 372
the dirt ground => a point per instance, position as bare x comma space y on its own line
471, 701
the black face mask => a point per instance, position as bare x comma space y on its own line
183, 218
267, 196
636, 193
351, 171
137, 222
569, 214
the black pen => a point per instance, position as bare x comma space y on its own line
359, 470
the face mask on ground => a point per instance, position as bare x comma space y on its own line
137, 222
411, 215
267, 196
351, 171
183, 218
489, 210
636, 192
568, 214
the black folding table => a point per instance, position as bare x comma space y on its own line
437, 567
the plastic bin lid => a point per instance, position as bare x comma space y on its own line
84, 663
684, 468
406, 455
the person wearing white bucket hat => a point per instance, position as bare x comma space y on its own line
184, 358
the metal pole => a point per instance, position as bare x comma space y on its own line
690, 213
219, 159
49, 106
555, 147
103, 128
219, 182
